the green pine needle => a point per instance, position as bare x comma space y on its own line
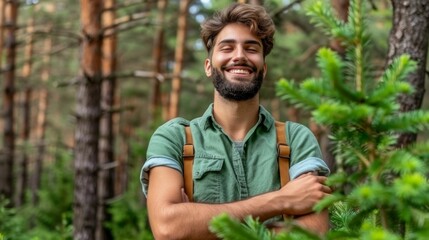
230, 229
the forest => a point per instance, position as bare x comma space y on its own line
86, 83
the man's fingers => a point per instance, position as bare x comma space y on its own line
326, 189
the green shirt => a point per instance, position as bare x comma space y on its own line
225, 171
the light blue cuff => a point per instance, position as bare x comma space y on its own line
155, 162
311, 164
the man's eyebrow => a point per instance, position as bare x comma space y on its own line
229, 41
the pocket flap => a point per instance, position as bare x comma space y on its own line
203, 166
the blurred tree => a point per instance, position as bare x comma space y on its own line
88, 115
22, 176
7, 155
158, 43
1, 31
41, 117
107, 138
176, 84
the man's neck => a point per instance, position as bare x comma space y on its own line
236, 117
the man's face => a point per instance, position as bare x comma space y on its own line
237, 65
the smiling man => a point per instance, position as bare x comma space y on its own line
235, 169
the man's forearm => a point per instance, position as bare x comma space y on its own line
172, 218
191, 220
315, 222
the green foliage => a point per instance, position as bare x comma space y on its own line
10, 222
226, 227
129, 215
51, 219
387, 187
56, 194
129, 218
389, 183
52, 216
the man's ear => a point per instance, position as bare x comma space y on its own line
208, 67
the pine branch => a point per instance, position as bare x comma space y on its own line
324, 18
405, 122
227, 228
286, 90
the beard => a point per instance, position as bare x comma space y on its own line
236, 91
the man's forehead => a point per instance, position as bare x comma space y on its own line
237, 33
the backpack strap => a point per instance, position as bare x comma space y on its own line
188, 161
283, 153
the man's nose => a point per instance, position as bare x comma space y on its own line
239, 55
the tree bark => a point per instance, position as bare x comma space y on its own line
7, 158
106, 154
254, 2
342, 10
88, 113
41, 121
155, 105
178, 61
410, 35
1, 31
22, 182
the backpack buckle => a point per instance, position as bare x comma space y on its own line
283, 150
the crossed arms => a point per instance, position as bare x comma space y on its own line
173, 218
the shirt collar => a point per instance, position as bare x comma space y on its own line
265, 118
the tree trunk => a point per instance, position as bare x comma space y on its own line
106, 154
41, 121
155, 105
341, 8
22, 173
121, 177
7, 158
22, 182
1, 31
2, 3
410, 35
88, 113
254, 2
178, 61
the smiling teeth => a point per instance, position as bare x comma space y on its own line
239, 71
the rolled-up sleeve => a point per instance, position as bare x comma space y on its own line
156, 162
311, 164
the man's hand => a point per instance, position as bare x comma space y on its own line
302, 193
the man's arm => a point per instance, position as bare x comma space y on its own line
315, 222
171, 218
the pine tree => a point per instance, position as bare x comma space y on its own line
388, 185
362, 111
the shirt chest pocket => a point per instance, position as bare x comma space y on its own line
207, 179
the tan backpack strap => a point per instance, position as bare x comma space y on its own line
283, 151
188, 161
283, 155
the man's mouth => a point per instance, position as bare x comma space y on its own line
239, 71
242, 70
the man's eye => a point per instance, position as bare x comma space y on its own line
226, 49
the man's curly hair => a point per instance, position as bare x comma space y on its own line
253, 16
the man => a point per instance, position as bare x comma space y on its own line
235, 167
